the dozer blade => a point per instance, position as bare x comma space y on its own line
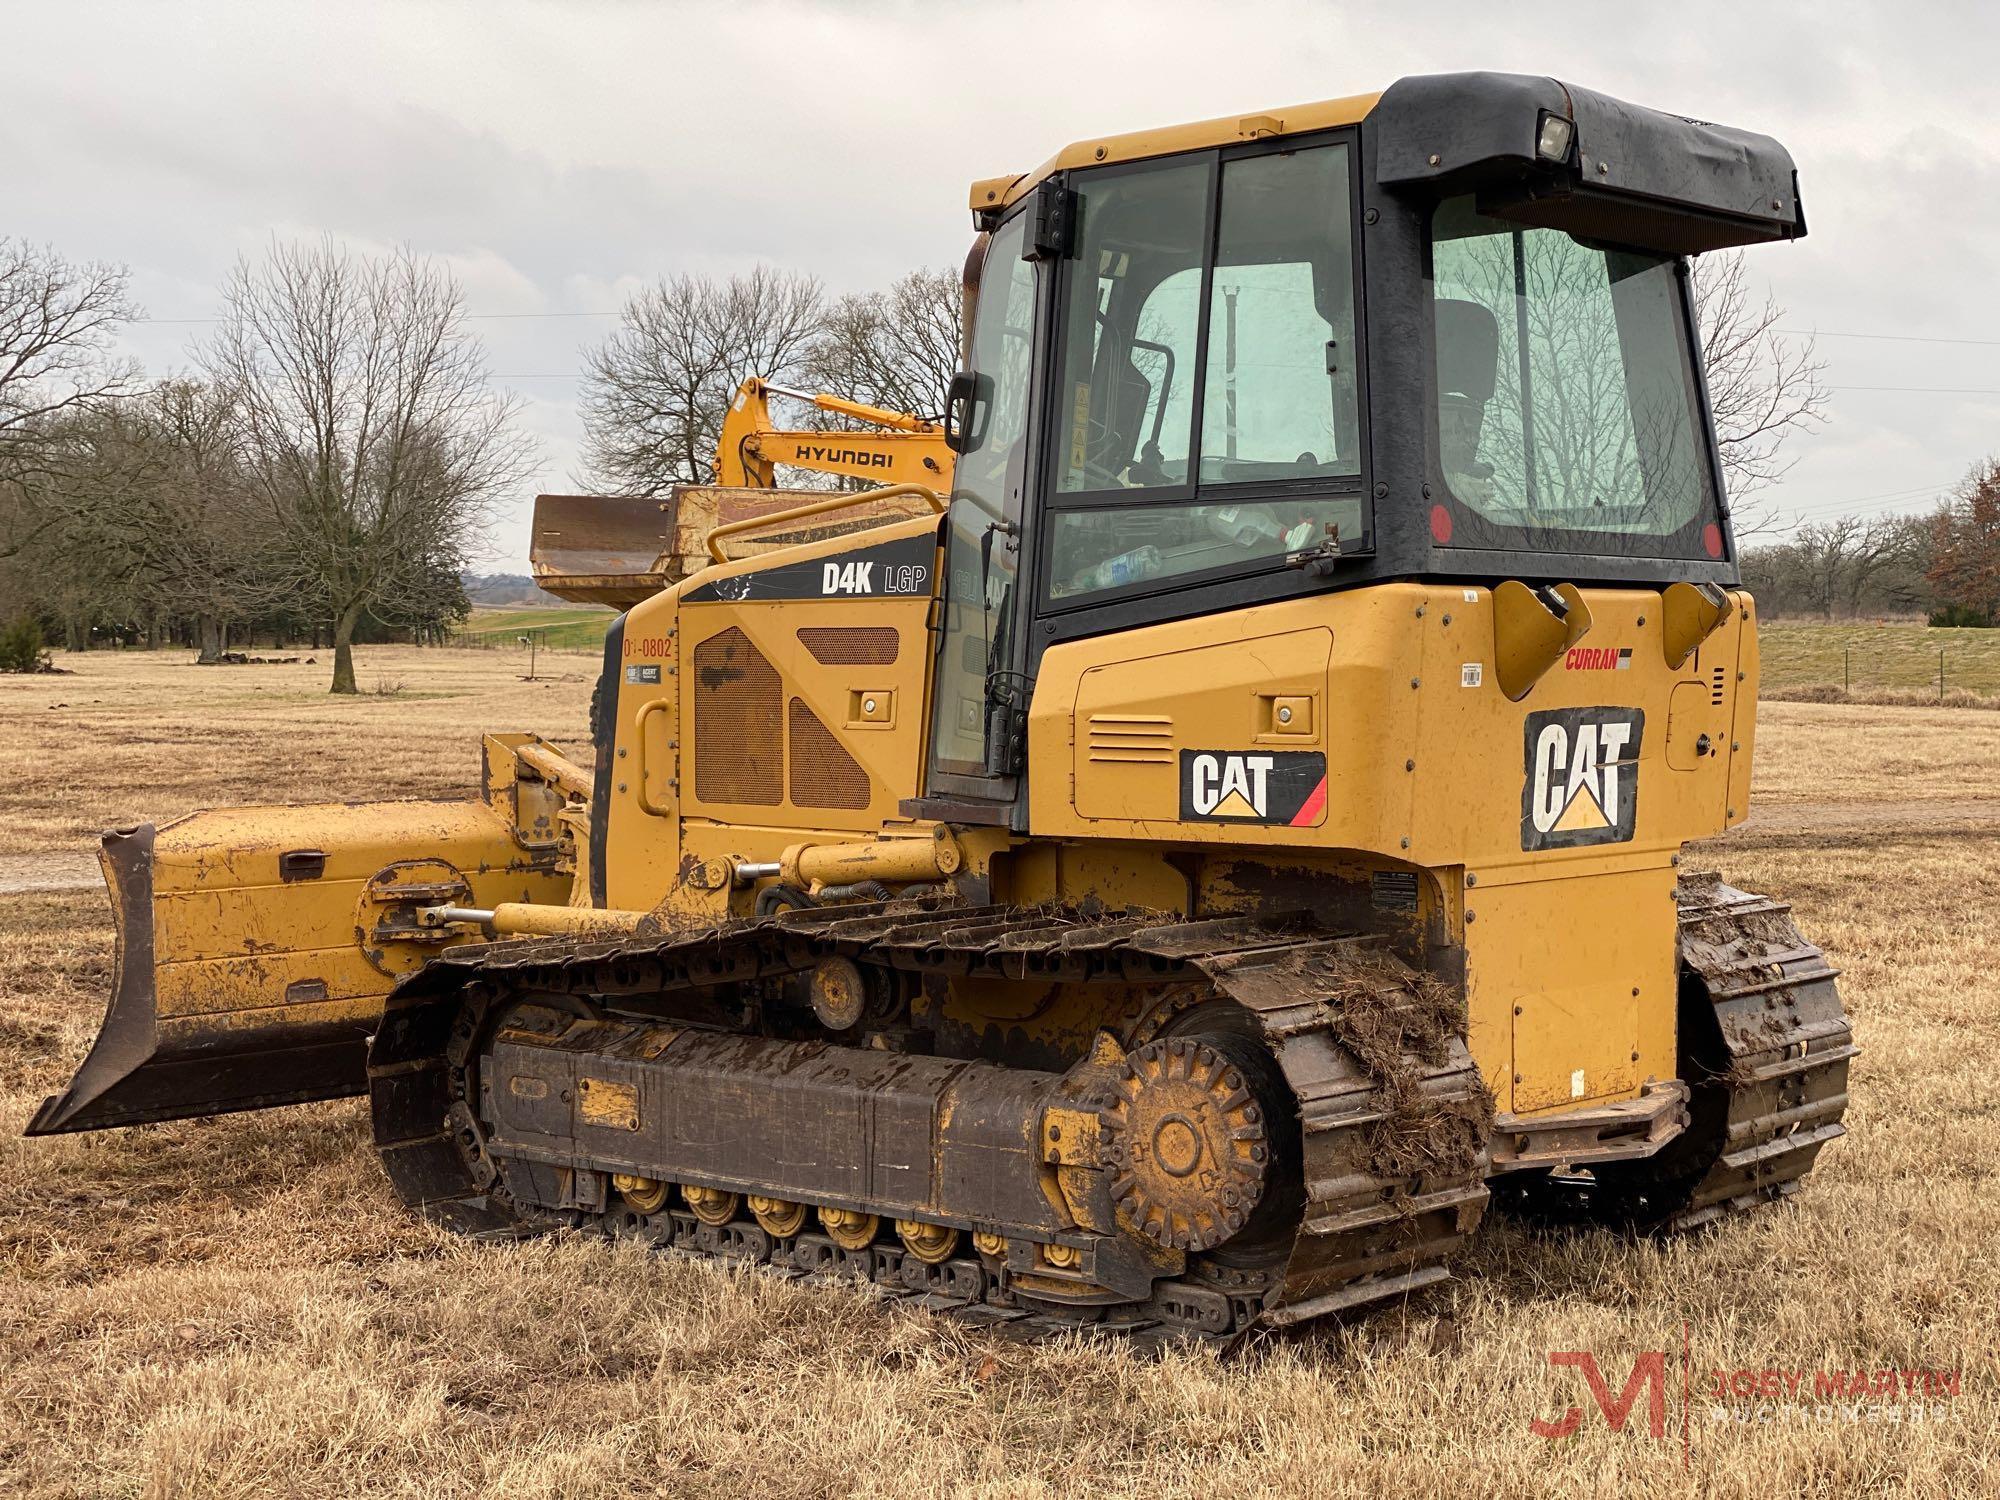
255, 946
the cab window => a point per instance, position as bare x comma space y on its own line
1207, 410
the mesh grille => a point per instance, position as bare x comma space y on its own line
823, 773
737, 756
850, 645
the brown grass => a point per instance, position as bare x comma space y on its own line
238, 1307
134, 734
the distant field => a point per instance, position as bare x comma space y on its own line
570, 627
1866, 655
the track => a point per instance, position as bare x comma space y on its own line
1389, 1160
1392, 1117
1765, 1047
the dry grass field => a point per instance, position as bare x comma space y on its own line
136, 735
238, 1308
1873, 656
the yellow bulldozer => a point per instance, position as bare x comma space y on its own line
1177, 878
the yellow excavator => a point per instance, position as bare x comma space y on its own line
1175, 881
618, 550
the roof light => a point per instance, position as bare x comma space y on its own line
1552, 139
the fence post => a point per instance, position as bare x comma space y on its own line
1940, 674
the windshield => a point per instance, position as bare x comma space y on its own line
1567, 418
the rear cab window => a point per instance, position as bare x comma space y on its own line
1567, 413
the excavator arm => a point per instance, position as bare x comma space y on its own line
909, 451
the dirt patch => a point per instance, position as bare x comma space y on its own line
1902, 815
50, 870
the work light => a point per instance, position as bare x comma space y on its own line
1553, 137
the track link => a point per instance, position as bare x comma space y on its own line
1393, 1116
1765, 1047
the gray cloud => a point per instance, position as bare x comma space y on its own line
557, 155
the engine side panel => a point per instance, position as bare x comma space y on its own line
763, 703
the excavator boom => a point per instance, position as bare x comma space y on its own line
911, 450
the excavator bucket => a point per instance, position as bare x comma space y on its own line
602, 549
255, 945
616, 550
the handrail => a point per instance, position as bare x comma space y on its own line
816, 508
646, 802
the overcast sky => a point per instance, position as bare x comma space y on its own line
558, 156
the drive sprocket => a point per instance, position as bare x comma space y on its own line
1188, 1143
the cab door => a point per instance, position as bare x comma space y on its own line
979, 706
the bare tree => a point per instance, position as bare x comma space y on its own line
896, 349
59, 325
59, 320
368, 428
655, 390
1763, 386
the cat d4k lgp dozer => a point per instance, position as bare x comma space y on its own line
1173, 879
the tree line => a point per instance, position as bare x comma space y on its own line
1943, 565
330, 460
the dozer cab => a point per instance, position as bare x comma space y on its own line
1177, 880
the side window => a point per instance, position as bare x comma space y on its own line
1260, 456
1124, 408
986, 490
1280, 399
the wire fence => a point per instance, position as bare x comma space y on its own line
1907, 660
561, 635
